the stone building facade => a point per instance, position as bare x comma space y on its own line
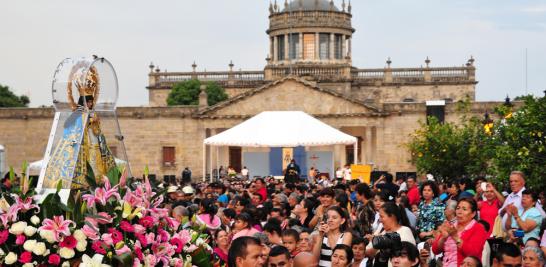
308, 68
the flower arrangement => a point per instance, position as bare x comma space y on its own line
111, 224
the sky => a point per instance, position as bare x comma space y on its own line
37, 35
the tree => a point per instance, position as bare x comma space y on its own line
449, 150
9, 99
187, 93
520, 141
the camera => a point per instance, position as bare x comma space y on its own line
519, 233
386, 244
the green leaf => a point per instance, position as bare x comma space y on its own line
146, 171
90, 177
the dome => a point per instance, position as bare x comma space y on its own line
309, 5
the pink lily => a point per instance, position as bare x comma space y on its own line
59, 226
25, 205
102, 195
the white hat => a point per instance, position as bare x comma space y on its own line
172, 189
188, 190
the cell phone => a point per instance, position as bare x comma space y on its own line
519, 233
325, 218
483, 186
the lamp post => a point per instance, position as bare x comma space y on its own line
487, 123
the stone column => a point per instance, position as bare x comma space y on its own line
317, 50
350, 50
286, 47
368, 145
343, 46
275, 49
300, 46
332, 42
272, 48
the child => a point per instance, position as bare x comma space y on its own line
290, 239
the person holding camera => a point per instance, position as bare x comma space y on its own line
464, 238
331, 232
388, 238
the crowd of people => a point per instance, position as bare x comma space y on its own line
263, 221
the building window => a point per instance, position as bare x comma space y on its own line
294, 43
338, 46
436, 108
168, 156
280, 47
309, 46
324, 46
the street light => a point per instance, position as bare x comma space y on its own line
487, 123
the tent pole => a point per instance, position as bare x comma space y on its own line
204, 162
210, 165
355, 158
217, 163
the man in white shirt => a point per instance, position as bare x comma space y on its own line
517, 186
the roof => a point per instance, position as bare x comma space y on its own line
309, 5
252, 92
281, 129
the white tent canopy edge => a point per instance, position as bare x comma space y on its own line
279, 129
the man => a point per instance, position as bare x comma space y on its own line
292, 173
305, 259
279, 257
413, 191
244, 172
186, 176
365, 212
245, 251
466, 187
384, 183
508, 255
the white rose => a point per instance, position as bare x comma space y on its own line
29, 245
35, 220
30, 230
30, 264
11, 258
65, 264
66, 253
18, 228
81, 246
39, 248
2, 253
79, 235
48, 235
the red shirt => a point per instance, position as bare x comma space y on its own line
473, 240
413, 196
262, 191
489, 212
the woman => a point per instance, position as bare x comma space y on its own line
464, 238
243, 226
378, 201
331, 232
394, 220
207, 214
471, 261
431, 210
304, 212
221, 239
533, 257
342, 256
406, 256
529, 219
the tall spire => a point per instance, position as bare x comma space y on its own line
350, 7
271, 10
285, 4
343, 6
276, 7
331, 5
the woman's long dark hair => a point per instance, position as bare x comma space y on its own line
343, 215
391, 209
209, 208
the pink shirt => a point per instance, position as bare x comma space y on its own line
245, 232
473, 237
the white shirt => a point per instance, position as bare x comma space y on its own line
244, 172
513, 198
347, 174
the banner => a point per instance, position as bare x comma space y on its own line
361, 172
287, 156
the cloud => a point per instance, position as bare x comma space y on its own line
534, 9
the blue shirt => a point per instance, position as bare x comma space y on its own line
223, 198
533, 214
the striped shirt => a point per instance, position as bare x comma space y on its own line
326, 251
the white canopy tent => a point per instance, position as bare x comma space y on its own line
279, 129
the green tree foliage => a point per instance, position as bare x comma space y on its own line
520, 141
187, 93
9, 99
451, 150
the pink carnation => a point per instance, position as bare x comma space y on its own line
69, 242
142, 239
25, 257
178, 244
3, 236
54, 259
20, 239
147, 221
126, 227
116, 235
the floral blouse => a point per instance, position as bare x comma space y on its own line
430, 215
